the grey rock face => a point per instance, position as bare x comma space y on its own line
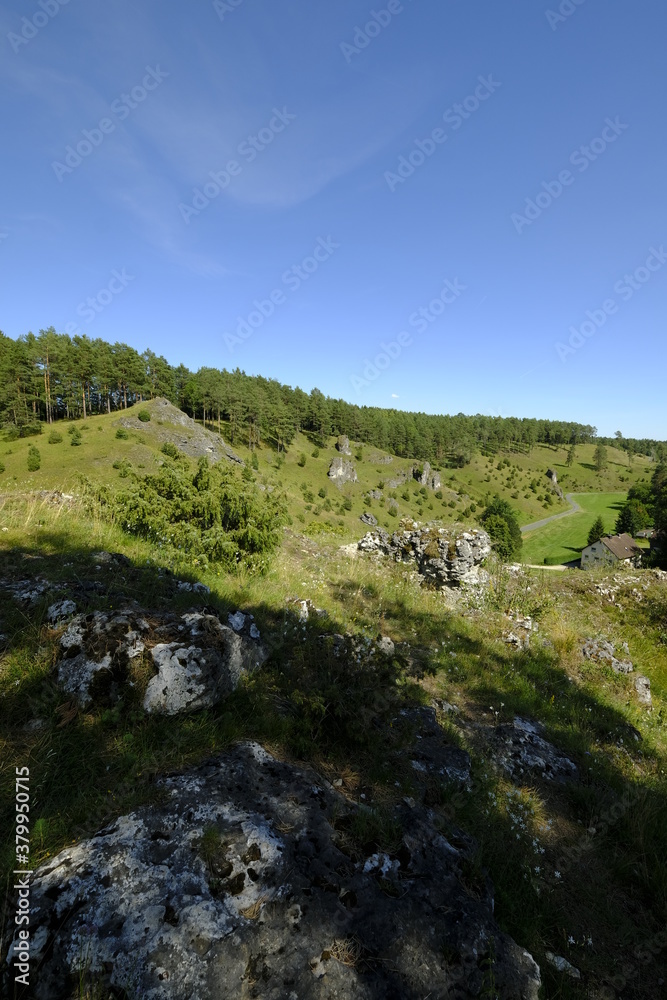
369, 519
443, 560
553, 476
601, 651
342, 472
198, 659
59, 611
425, 477
643, 689
305, 609
520, 748
198, 675
343, 445
432, 756
275, 894
95, 651
196, 588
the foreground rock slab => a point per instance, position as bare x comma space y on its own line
246, 882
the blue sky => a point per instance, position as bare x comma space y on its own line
515, 264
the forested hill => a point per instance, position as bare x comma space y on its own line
53, 376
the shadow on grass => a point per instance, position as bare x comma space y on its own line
310, 704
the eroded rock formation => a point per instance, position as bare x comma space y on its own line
443, 559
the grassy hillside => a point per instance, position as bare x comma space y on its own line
317, 505
596, 898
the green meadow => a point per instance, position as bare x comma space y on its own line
562, 540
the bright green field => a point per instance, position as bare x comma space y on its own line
563, 540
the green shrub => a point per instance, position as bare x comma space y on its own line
34, 459
438, 495
2, 468
323, 528
76, 437
55, 437
123, 466
122, 434
322, 492
27, 430
144, 416
254, 461
501, 523
301, 460
214, 513
170, 450
315, 453
347, 504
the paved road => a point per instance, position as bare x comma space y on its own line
574, 507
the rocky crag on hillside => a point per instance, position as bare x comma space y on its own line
169, 425
421, 473
443, 559
341, 471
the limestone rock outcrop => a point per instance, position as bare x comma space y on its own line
198, 660
602, 651
443, 559
343, 445
553, 476
342, 472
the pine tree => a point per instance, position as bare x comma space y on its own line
597, 531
